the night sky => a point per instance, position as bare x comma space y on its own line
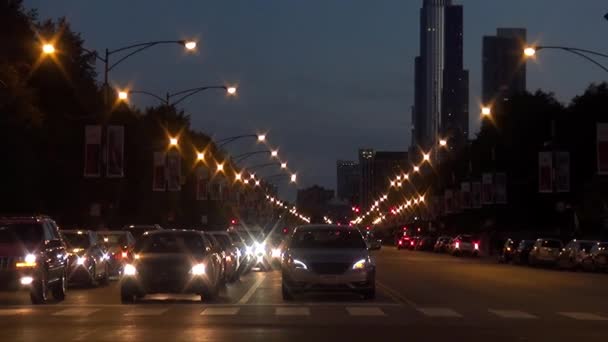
322, 77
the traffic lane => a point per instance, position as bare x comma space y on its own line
428, 279
269, 292
110, 294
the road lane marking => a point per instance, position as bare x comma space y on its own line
439, 312
252, 289
146, 312
515, 314
394, 295
80, 312
220, 311
365, 311
295, 311
13, 312
584, 316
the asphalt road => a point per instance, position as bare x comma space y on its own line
421, 297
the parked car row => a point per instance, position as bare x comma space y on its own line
464, 244
588, 255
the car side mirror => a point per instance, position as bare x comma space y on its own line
54, 243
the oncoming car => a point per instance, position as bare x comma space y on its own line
171, 261
327, 258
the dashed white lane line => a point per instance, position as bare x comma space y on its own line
82, 312
294, 311
146, 312
229, 311
439, 312
365, 311
584, 316
514, 314
252, 289
13, 312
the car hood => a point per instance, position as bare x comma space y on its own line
17, 249
329, 255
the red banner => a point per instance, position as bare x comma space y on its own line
92, 151
115, 151
159, 177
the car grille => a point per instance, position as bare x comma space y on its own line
7, 263
162, 270
329, 268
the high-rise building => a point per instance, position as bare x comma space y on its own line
441, 83
348, 178
455, 94
313, 201
366, 183
503, 66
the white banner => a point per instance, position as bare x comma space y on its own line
92, 151
115, 152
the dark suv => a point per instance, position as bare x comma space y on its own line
32, 256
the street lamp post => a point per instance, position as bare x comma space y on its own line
531, 51
244, 156
124, 95
226, 141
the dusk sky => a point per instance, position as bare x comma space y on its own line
322, 77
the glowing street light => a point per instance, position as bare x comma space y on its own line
252, 176
261, 137
220, 167
294, 177
48, 49
123, 95
238, 177
257, 183
530, 51
393, 183
190, 45
231, 90
443, 143
426, 157
173, 141
283, 166
486, 111
406, 176
200, 156
416, 168
274, 153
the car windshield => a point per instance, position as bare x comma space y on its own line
551, 244
328, 238
75, 240
20, 232
186, 243
466, 238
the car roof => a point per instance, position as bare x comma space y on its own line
76, 231
171, 231
113, 232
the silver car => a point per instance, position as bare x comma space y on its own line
327, 258
545, 251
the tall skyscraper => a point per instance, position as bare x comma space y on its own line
348, 178
455, 94
503, 69
366, 167
441, 83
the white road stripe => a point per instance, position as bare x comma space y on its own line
516, 314
252, 289
439, 312
220, 311
365, 311
146, 312
584, 316
12, 312
82, 312
297, 311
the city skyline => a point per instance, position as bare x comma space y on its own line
308, 78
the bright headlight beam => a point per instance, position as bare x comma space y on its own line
300, 264
129, 270
198, 269
359, 265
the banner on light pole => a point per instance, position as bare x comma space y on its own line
487, 188
500, 182
115, 151
159, 176
545, 172
562, 171
92, 151
476, 191
202, 183
174, 162
602, 148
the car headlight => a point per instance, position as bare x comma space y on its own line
297, 264
249, 250
28, 261
129, 270
198, 270
360, 265
81, 260
276, 253
30, 258
260, 248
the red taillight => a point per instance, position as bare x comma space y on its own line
400, 242
476, 245
412, 243
457, 245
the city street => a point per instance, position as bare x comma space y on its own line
420, 296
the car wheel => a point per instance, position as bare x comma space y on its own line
38, 292
287, 294
59, 289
